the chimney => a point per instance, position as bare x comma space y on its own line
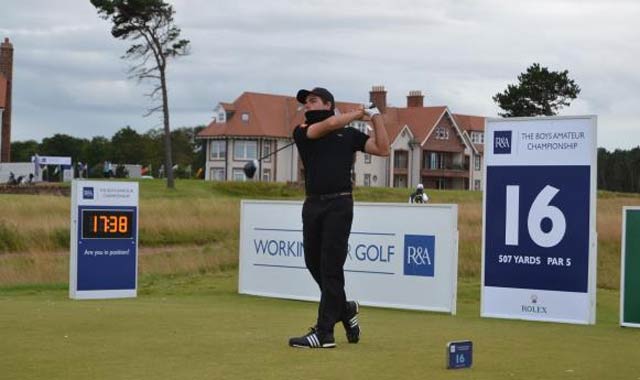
415, 99
378, 96
6, 69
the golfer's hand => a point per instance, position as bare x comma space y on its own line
360, 114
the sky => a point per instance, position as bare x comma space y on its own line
69, 77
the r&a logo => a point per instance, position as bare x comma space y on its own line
419, 255
87, 193
502, 142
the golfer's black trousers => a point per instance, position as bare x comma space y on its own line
326, 229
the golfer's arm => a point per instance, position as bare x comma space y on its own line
317, 130
379, 144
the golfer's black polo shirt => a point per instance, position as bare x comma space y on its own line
328, 160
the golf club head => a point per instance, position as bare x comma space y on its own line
250, 168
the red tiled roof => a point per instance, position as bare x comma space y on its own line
269, 116
420, 120
469, 122
276, 115
3, 92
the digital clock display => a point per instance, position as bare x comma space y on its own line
107, 224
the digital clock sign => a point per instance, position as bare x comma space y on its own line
103, 260
107, 224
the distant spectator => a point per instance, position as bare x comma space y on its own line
419, 196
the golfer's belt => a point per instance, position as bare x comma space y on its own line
324, 197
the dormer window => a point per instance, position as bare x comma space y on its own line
477, 137
442, 133
245, 116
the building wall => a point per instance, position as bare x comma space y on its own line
212, 163
413, 163
376, 169
6, 68
1, 112
282, 166
452, 144
285, 165
455, 148
220, 114
476, 175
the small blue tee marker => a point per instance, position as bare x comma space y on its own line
459, 354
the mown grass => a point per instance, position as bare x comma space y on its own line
34, 230
196, 326
189, 322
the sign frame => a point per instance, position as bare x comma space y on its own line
623, 259
113, 253
267, 274
588, 304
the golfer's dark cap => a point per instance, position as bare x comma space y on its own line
320, 92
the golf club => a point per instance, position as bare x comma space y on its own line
251, 166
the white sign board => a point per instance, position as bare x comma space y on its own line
52, 160
400, 256
104, 240
539, 234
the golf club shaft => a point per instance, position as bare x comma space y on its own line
276, 151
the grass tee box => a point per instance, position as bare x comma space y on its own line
104, 239
399, 255
630, 272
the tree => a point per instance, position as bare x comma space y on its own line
150, 24
153, 148
540, 92
98, 150
63, 145
22, 151
128, 147
96, 153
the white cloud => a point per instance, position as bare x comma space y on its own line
459, 53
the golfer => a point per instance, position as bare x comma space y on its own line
327, 150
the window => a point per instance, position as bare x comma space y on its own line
266, 175
218, 149
266, 151
244, 150
367, 179
476, 184
433, 161
238, 175
477, 137
442, 133
400, 159
399, 180
367, 158
245, 116
221, 117
217, 174
477, 163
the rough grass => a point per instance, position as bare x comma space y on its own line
34, 230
